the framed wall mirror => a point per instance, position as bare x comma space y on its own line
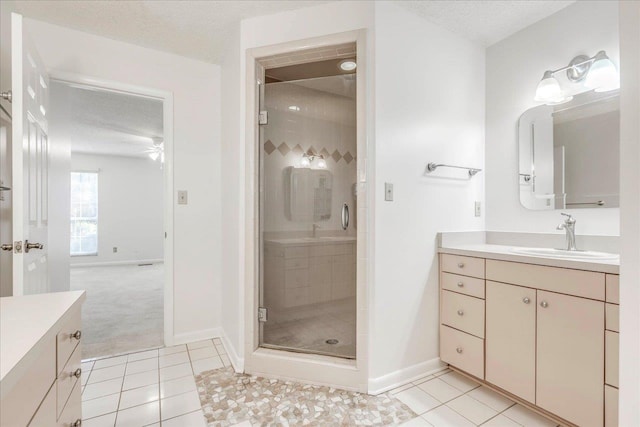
569, 154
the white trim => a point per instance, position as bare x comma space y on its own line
167, 109
114, 263
236, 361
204, 334
404, 376
283, 364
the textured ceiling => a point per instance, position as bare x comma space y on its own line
105, 122
200, 29
485, 21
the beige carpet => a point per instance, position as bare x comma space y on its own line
124, 308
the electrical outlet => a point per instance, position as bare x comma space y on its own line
115, 249
182, 197
478, 209
388, 192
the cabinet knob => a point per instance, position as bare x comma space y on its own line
460, 284
460, 313
544, 304
77, 373
461, 265
526, 300
76, 423
459, 350
77, 335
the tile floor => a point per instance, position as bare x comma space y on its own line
149, 388
448, 399
158, 388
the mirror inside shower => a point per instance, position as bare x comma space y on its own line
307, 201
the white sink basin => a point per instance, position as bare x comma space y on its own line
564, 254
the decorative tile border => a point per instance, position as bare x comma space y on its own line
229, 398
284, 149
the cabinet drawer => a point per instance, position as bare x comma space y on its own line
66, 342
462, 284
613, 288
464, 265
612, 317
296, 263
580, 283
46, 415
19, 404
296, 278
610, 406
463, 312
73, 410
612, 353
67, 378
463, 351
296, 252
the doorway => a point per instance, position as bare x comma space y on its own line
111, 224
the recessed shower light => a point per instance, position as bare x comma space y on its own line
348, 65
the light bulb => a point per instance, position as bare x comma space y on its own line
304, 162
322, 163
348, 65
603, 74
549, 90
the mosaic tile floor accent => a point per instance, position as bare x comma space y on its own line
228, 398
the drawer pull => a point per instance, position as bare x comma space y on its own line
460, 313
76, 423
461, 265
460, 284
526, 300
77, 335
544, 304
77, 373
459, 350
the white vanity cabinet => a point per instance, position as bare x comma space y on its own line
543, 340
40, 348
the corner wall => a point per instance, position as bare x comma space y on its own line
196, 127
429, 107
514, 69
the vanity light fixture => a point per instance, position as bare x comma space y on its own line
348, 65
294, 108
598, 73
309, 157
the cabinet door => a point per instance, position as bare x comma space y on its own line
511, 338
570, 358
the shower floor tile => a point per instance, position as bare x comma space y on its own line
309, 327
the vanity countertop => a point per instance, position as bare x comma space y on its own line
26, 323
505, 253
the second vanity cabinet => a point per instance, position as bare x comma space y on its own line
540, 338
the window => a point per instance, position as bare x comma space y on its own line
84, 213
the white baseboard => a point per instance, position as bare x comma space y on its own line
236, 361
404, 376
114, 263
204, 334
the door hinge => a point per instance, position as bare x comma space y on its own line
262, 314
263, 118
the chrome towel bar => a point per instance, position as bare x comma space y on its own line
433, 166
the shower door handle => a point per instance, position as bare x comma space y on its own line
345, 216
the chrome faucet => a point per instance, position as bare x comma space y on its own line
569, 225
315, 228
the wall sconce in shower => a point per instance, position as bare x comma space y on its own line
309, 157
597, 72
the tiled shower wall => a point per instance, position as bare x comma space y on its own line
317, 115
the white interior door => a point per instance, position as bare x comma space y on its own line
30, 161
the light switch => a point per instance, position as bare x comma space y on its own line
388, 192
182, 197
478, 209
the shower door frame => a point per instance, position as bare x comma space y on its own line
349, 374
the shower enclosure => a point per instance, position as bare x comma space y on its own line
308, 209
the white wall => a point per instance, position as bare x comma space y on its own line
429, 106
196, 115
514, 69
630, 209
130, 208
